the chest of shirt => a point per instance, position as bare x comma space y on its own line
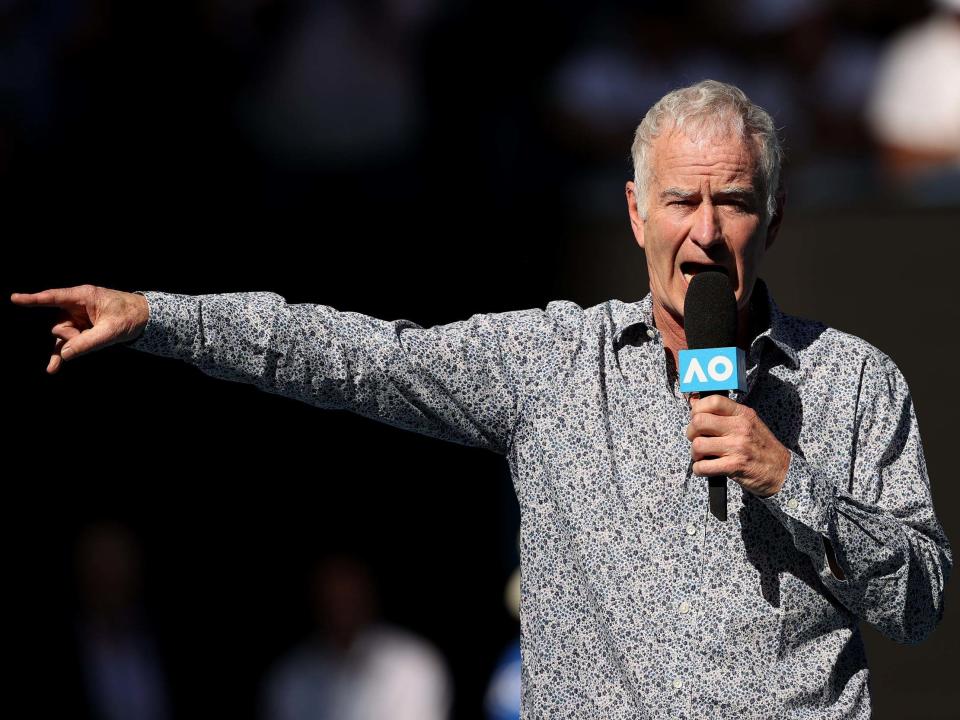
604, 449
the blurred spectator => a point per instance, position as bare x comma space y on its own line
914, 112
356, 668
123, 678
815, 71
795, 57
503, 694
343, 88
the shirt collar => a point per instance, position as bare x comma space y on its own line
771, 324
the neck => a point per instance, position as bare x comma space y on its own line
675, 339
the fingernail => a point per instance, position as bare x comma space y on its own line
66, 353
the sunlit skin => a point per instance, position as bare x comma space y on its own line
706, 205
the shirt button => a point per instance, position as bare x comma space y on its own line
684, 607
651, 334
792, 503
691, 530
678, 683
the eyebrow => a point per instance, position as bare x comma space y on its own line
730, 191
675, 192
738, 191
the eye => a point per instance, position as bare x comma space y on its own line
737, 206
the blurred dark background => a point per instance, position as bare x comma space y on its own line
425, 159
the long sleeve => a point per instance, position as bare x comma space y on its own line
894, 556
464, 382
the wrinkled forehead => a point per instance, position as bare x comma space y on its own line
720, 152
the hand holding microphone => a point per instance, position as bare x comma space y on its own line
730, 440
727, 439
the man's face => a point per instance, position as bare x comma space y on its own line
705, 207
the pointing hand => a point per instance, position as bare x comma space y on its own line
90, 318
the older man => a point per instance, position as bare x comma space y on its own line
635, 600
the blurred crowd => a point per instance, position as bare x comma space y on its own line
865, 93
300, 94
353, 665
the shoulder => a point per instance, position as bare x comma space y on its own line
567, 316
820, 346
394, 647
560, 322
560, 312
396, 641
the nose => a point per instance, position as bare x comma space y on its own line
705, 230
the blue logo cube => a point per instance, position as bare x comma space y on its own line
721, 368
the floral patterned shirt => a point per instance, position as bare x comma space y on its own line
636, 602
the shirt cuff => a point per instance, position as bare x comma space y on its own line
173, 325
806, 505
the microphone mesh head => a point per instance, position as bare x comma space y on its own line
710, 311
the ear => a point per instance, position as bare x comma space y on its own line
636, 222
773, 228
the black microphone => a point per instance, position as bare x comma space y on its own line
710, 321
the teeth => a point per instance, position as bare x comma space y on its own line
687, 277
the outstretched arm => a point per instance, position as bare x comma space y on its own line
465, 382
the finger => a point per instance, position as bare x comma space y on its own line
707, 424
708, 447
89, 340
65, 330
725, 466
55, 360
54, 296
717, 405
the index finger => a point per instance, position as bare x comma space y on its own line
715, 405
55, 296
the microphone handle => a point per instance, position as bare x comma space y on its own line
718, 483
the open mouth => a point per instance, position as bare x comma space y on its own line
689, 269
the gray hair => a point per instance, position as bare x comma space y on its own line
717, 109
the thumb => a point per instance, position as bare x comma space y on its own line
89, 340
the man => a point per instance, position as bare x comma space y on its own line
635, 600
355, 666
